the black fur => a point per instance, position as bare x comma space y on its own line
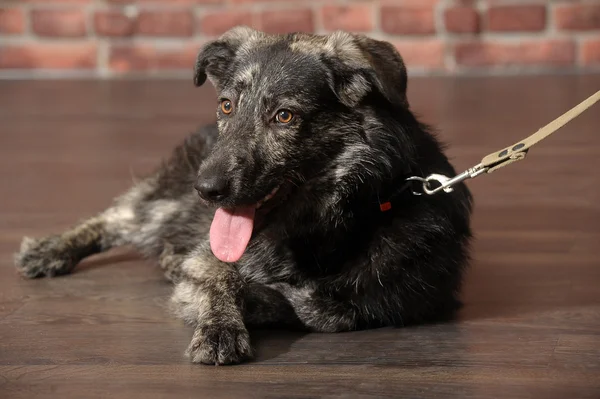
323, 256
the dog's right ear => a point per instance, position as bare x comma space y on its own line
215, 58
212, 63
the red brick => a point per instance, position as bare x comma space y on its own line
523, 18
590, 52
58, 22
44, 2
130, 58
461, 19
12, 21
263, 1
53, 2
407, 20
422, 53
286, 21
165, 23
577, 17
352, 18
523, 53
48, 56
217, 23
165, 2
114, 23
417, 3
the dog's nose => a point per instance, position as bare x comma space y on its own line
213, 188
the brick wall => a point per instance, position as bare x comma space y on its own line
158, 37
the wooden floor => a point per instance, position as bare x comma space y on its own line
530, 327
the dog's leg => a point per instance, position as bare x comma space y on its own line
58, 254
171, 262
136, 217
303, 308
212, 297
209, 297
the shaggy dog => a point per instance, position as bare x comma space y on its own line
293, 209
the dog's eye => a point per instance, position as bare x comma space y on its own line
284, 116
226, 107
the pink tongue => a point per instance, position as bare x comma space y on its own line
230, 232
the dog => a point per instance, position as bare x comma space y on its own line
292, 210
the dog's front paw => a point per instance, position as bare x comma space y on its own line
219, 345
46, 257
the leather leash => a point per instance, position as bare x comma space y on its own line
506, 156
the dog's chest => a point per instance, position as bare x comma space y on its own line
286, 260
267, 264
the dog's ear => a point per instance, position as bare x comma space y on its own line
368, 64
388, 67
212, 62
215, 58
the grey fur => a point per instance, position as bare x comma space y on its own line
323, 257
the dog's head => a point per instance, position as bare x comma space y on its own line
296, 119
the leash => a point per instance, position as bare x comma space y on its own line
506, 156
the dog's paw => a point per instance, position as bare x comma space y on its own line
46, 257
220, 345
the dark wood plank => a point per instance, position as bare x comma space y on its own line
530, 327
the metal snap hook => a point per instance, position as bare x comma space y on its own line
445, 183
441, 180
419, 179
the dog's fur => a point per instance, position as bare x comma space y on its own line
323, 256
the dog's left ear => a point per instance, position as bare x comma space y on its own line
215, 58
369, 64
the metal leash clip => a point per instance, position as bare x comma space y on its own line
506, 156
445, 183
